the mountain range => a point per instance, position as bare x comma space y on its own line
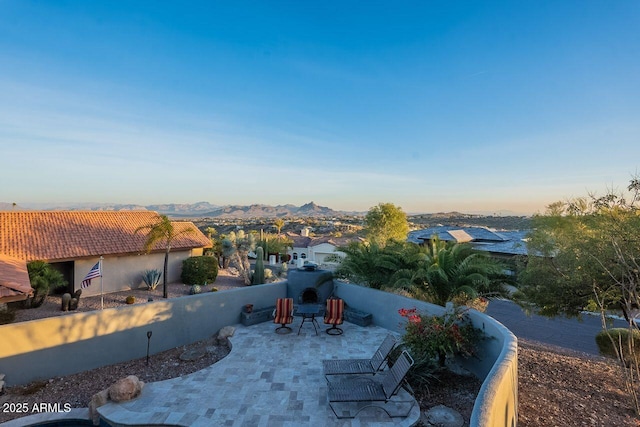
195, 210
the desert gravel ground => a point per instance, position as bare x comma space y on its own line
557, 387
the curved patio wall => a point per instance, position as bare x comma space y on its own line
77, 342
496, 365
71, 343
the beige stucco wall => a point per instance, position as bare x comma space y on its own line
125, 272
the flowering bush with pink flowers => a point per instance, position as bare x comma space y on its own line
436, 337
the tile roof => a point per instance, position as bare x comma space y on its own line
67, 235
14, 279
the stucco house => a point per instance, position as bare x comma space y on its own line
74, 241
316, 249
504, 245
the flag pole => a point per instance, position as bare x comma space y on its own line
101, 287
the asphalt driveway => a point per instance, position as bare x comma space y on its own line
574, 334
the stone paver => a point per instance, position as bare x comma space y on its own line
267, 380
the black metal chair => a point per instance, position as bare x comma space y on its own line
361, 366
370, 393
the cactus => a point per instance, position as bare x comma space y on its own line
75, 300
258, 276
195, 289
66, 298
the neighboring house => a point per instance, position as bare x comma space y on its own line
73, 241
14, 280
502, 245
317, 250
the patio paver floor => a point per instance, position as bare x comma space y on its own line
268, 380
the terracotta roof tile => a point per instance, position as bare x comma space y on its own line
14, 279
66, 235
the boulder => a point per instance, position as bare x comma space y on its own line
97, 400
126, 389
225, 333
442, 416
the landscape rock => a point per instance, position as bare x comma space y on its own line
97, 400
442, 416
192, 354
126, 389
225, 333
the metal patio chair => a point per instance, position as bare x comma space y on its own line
283, 314
358, 393
334, 315
360, 366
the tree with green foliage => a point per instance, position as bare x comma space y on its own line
448, 271
365, 264
278, 223
584, 254
42, 277
272, 244
386, 222
162, 230
438, 273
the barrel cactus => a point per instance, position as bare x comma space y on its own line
195, 289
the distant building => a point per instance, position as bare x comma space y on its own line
502, 245
316, 249
73, 241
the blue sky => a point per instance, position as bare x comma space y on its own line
431, 105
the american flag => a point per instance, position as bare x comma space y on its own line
92, 274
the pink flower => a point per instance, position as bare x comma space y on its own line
414, 318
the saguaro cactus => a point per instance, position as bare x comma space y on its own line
258, 275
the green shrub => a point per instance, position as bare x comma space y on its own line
431, 339
621, 337
199, 270
195, 289
7, 316
42, 277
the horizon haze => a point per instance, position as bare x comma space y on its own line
433, 106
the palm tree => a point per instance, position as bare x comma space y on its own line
278, 223
162, 230
366, 264
455, 270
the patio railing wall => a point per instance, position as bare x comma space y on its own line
78, 342
497, 362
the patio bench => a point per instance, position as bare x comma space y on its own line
257, 316
357, 317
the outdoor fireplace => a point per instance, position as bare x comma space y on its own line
309, 287
309, 296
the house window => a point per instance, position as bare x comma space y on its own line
303, 255
295, 255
